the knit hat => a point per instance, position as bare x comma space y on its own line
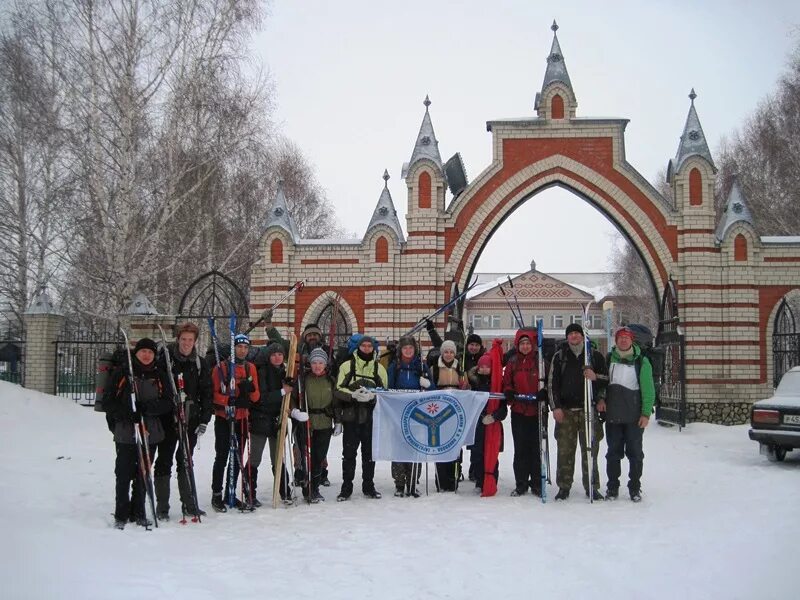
485, 361
574, 327
449, 345
318, 355
241, 338
312, 328
145, 344
624, 331
474, 338
406, 340
274, 348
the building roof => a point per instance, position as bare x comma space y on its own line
735, 210
385, 213
426, 146
279, 215
556, 66
693, 140
531, 285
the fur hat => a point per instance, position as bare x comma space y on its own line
449, 345
145, 344
318, 355
312, 328
274, 348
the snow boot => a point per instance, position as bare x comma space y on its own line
636, 496
563, 494
161, 485
372, 493
120, 523
518, 491
217, 504
185, 491
144, 522
612, 494
316, 497
596, 495
399, 491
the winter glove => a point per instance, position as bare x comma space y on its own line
245, 387
487, 419
429, 325
337, 429
289, 382
201, 429
424, 382
509, 396
242, 400
362, 394
299, 415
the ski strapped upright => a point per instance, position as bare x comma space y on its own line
588, 404
140, 438
544, 450
179, 412
279, 478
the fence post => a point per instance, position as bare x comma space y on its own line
141, 320
42, 324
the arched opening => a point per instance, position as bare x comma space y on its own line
695, 187
785, 341
740, 248
276, 252
382, 250
424, 185
557, 110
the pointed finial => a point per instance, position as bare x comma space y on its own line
386, 177
427, 102
554, 26
280, 184
692, 95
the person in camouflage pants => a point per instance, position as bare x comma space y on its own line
566, 388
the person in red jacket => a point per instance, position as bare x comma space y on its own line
246, 393
521, 377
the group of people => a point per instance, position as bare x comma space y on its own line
331, 395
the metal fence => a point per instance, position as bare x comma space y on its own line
77, 350
12, 352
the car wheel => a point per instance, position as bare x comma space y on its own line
776, 453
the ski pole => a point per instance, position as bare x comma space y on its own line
295, 288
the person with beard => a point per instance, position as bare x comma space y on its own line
480, 380
521, 378
355, 395
154, 399
566, 390
407, 372
265, 418
187, 362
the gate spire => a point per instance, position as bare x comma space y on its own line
735, 210
279, 215
556, 99
693, 141
426, 146
385, 213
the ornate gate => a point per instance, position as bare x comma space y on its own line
785, 343
78, 347
342, 326
671, 388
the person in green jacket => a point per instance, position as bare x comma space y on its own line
628, 404
316, 409
355, 395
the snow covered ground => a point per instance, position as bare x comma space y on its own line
717, 521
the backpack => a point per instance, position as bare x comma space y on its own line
643, 337
107, 362
348, 379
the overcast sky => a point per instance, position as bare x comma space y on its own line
350, 78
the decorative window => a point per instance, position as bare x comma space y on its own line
382, 250
557, 110
740, 248
276, 252
695, 188
557, 321
424, 190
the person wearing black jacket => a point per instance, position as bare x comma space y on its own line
566, 389
153, 400
265, 417
185, 361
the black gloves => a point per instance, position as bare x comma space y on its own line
242, 400
509, 395
429, 324
245, 387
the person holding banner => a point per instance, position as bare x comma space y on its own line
408, 372
521, 378
447, 375
480, 380
358, 377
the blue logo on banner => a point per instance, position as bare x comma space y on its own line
434, 425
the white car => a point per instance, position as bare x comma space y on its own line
776, 421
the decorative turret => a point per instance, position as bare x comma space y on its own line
557, 98
692, 143
424, 173
279, 215
427, 146
385, 213
736, 210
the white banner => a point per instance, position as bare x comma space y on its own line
425, 426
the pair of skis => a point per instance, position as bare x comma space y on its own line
179, 397
588, 403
